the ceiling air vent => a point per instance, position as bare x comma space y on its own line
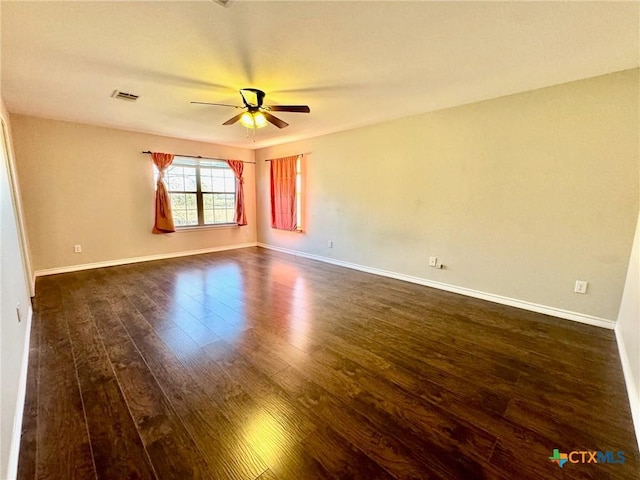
224, 3
124, 96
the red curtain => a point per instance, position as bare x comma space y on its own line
164, 217
283, 193
237, 166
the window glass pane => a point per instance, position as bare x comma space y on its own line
188, 161
208, 217
214, 163
219, 200
217, 184
229, 215
207, 200
180, 179
191, 201
190, 178
205, 182
190, 184
192, 217
230, 200
180, 218
229, 184
177, 201
175, 183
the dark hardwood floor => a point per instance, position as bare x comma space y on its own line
251, 364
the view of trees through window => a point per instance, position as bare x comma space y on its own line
202, 192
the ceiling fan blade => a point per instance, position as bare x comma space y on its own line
275, 120
217, 104
289, 108
233, 120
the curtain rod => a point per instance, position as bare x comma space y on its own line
298, 155
199, 156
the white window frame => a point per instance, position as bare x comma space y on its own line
200, 165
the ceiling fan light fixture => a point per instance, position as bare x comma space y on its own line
253, 120
260, 120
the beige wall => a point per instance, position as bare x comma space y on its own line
91, 186
518, 196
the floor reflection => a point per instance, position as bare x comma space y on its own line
299, 316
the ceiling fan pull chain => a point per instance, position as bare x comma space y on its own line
254, 134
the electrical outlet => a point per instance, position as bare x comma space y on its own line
433, 261
581, 286
77, 248
330, 244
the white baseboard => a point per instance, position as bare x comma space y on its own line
146, 258
14, 452
632, 390
512, 302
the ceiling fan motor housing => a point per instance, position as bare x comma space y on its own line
259, 97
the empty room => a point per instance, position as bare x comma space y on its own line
299, 240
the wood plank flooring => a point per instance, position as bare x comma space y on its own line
251, 364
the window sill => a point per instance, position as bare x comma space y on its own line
196, 228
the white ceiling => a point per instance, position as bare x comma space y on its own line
354, 63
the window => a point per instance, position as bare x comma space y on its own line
202, 192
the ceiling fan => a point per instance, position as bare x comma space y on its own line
257, 115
